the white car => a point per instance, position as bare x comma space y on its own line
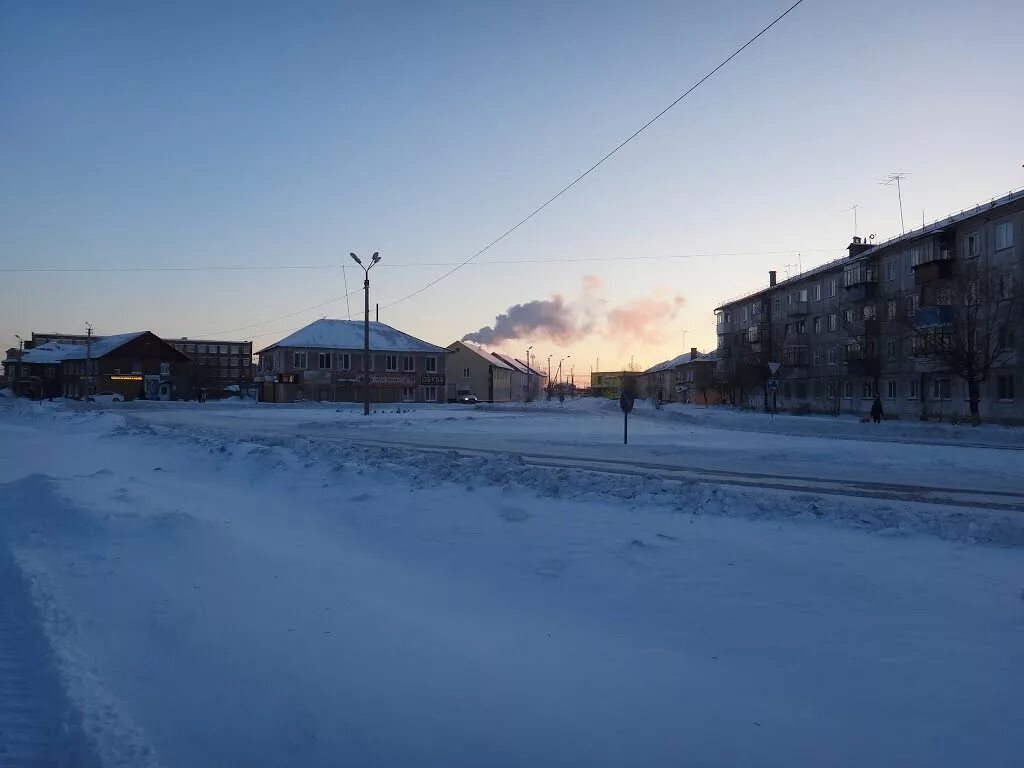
105, 398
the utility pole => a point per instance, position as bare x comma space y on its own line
366, 327
549, 376
896, 178
529, 388
88, 360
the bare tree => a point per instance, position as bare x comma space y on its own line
968, 326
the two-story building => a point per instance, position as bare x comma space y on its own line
324, 362
131, 365
688, 378
902, 321
485, 375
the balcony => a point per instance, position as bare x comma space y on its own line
938, 316
865, 327
930, 271
796, 309
861, 292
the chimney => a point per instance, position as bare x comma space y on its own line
693, 354
858, 246
771, 277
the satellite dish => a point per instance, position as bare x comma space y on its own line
871, 236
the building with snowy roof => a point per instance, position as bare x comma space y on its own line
477, 370
686, 378
527, 383
324, 362
131, 365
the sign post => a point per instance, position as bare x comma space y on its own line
773, 383
626, 404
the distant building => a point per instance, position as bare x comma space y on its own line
133, 365
324, 361
219, 364
608, 383
527, 383
688, 378
485, 375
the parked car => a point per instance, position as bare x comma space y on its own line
465, 396
105, 398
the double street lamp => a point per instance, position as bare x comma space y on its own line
375, 259
529, 389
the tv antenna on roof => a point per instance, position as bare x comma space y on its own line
896, 178
854, 208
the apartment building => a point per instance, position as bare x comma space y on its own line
324, 361
918, 321
218, 364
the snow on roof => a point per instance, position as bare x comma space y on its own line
52, 352
512, 363
494, 360
348, 334
680, 360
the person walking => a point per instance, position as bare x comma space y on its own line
876, 411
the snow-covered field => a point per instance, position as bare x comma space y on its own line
232, 584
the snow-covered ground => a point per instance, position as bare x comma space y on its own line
228, 584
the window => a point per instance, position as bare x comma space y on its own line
817, 357
890, 389
913, 389
391, 363
803, 294
916, 256
235, 350
817, 325
913, 304
870, 312
431, 364
165, 369
465, 373
430, 394
833, 321
225, 373
890, 269
816, 292
201, 349
1004, 386
743, 314
1004, 235
890, 349
223, 361
869, 389
801, 326
785, 329
409, 363
972, 245
234, 362
343, 361
778, 305
833, 356
848, 315
299, 360
831, 288
830, 389
324, 361
890, 309
408, 394
848, 390
940, 389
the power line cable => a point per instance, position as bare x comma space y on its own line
280, 317
587, 172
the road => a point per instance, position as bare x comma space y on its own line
896, 468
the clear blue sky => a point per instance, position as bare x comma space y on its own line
192, 133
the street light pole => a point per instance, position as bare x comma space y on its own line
366, 327
529, 390
549, 377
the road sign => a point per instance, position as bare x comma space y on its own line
774, 367
626, 401
773, 385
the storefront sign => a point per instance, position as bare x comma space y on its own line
432, 379
393, 379
286, 378
118, 377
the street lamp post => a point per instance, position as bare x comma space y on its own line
366, 327
548, 387
529, 390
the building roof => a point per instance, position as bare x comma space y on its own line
528, 368
516, 365
348, 335
680, 360
490, 359
929, 229
52, 352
